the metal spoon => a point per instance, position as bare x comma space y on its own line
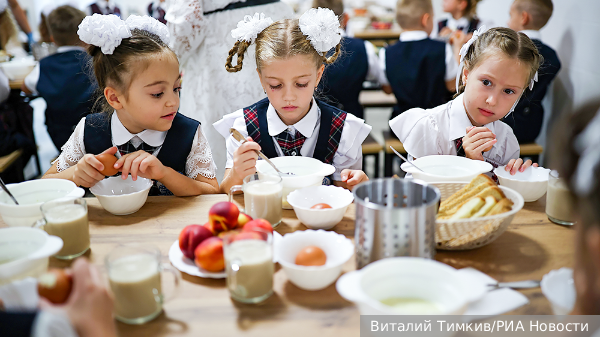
7, 191
516, 285
240, 138
406, 160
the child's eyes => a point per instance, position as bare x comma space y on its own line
275, 86
302, 85
486, 82
157, 95
177, 90
509, 91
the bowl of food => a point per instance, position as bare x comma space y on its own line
31, 195
298, 172
409, 286
24, 252
122, 197
320, 207
312, 260
17, 69
559, 289
446, 168
531, 183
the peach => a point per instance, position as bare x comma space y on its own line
258, 223
243, 219
190, 237
215, 227
224, 213
248, 235
209, 255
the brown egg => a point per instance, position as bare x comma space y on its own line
55, 285
311, 256
320, 206
108, 160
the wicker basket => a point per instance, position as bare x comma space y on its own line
472, 233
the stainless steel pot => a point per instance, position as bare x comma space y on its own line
394, 217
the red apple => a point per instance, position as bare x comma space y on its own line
243, 219
224, 213
258, 223
215, 227
209, 255
190, 237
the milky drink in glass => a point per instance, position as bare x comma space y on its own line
68, 219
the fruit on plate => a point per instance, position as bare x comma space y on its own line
55, 285
243, 219
248, 235
224, 213
311, 256
190, 237
209, 255
320, 206
108, 160
258, 223
215, 227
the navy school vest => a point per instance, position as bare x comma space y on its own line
330, 131
95, 9
343, 80
178, 143
473, 23
416, 71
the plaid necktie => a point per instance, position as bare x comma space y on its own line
459, 149
290, 145
128, 148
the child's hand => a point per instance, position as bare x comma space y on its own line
517, 164
446, 31
244, 159
353, 177
477, 141
87, 171
141, 163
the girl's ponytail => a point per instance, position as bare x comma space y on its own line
239, 48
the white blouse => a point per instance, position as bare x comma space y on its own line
349, 152
199, 160
433, 131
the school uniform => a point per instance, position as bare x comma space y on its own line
62, 81
182, 148
439, 131
417, 69
343, 80
528, 117
325, 133
157, 10
465, 24
103, 7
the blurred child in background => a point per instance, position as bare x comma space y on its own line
463, 18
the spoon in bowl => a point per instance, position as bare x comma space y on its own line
8, 192
240, 138
406, 160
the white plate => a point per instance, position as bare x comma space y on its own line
188, 266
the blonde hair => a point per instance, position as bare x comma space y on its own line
8, 30
337, 6
471, 9
539, 10
507, 42
410, 12
281, 40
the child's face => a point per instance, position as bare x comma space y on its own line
492, 87
450, 6
514, 21
153, 98
290, 84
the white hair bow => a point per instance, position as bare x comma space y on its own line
587, 144
107, 31
3, 5
322, 28
249, 28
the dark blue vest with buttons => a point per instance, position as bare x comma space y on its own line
66, 88
473, 23
97, 137
416, 71
343, 80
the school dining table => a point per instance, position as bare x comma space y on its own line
530, 248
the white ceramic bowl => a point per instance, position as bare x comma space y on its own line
559, 289
307, 172
303, 199
17, 69
444, 290
446, 168
31, 195
24, 252
337, 248
531, 184
122, 197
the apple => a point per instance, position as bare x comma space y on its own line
209, 255
243, 219
55, 285
224, 213
190, 237
258, 223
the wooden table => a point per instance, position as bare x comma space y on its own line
16, 84
530, 248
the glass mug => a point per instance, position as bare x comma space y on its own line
560, 205
67, 218
249, 265
133, 272
262, 197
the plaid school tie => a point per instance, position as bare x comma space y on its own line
129, 147
459, 149
290, 145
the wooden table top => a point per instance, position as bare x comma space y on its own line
15, 84
530, 248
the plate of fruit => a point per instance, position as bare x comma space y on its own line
199, 249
